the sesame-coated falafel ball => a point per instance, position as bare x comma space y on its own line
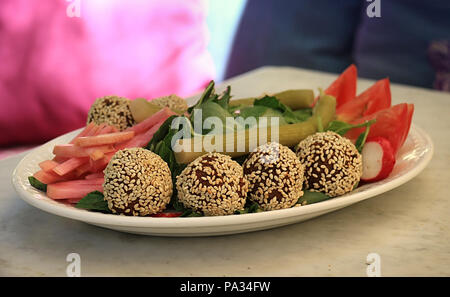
213, 184
275, 175
111, 110
172, 101
332, 163
137, 183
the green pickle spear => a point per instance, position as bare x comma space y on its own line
295, 99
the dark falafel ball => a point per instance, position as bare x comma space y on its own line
111, 110
332, 163
137, 183
275, 175
213, 184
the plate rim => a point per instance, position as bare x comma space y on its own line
60, 209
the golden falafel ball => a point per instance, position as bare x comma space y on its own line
213, 184
173, 102
137, 183
332, 163
111, 110
275, 175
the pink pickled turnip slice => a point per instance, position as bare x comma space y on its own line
74, 189
378, 159
47, 177
85, 131
75, 151
69, 165
48, 165
140, 140
102, 139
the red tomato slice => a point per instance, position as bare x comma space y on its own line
344, 87
375, 98
167, 214
392, 123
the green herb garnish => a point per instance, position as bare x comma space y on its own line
342, 128
362, 139
94, 201
37, 184
286, 112
310, 197
250, 207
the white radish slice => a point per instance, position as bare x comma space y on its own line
378, 159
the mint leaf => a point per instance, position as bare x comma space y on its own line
224, 100
37, 184
303, 114
250, 207
342, 128
209, 90
362, 140
191, 213
289, 116
94, 201
272, 102
310, 197
161, 133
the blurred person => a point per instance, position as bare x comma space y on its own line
406, 40
53, 64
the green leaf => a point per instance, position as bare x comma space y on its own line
250, 207
37, 184
94, 201
161, 133
191, 213
204, 97
252, 111
272, 102
342, 128
209, 110
303, 114
233, 109
310, 197
224, 100
362, 139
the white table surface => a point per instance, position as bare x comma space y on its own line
409, 227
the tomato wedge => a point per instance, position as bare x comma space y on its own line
344, 87
167, 214
392, 123
375, 98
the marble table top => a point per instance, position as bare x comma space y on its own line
408, 227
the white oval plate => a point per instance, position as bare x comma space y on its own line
411, 160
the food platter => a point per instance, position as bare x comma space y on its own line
412, 158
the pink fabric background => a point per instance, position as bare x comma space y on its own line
52, 67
